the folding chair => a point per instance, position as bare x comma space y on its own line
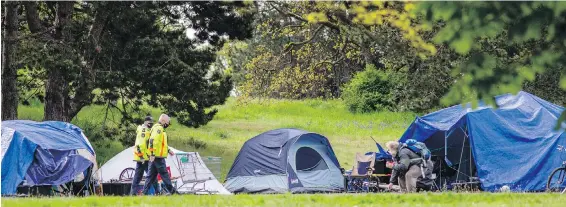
194, 174
361, 179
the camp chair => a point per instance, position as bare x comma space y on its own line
193, 174
361, 179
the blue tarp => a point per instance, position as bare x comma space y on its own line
44, 153
514, 144
284, 160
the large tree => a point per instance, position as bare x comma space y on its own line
9, 68
131, 53
310, 49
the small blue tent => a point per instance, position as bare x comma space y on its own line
285, 160
514, 144
43, 153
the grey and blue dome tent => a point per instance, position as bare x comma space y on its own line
514, 144
44, 153
285, 160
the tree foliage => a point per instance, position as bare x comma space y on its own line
140, 55
311, 49
531, 37
125, 55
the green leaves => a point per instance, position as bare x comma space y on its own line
316, 17
463, 43
563, 82
500, 60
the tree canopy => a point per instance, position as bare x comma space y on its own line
397, 56
128, 52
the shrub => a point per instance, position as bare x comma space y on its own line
372, 90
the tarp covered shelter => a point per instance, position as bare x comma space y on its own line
43, 153
514, 144
201, 176
286, 160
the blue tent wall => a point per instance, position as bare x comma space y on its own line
45, 153
512, 145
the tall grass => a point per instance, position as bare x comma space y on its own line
379, 199
236, 122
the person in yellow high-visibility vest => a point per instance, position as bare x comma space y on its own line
141, 155
158, 152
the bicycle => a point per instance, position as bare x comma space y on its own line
557, 179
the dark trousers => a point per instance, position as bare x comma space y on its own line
138, 175
155, 167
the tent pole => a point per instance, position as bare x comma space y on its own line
465, 129
461, 155
470, 157
445, 154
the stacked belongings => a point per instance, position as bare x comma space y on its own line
360, 177
369, 172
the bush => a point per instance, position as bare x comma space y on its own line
372, 90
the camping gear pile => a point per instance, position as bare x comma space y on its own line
370, 171
46, 154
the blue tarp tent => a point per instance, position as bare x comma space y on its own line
285, 160
43, 153
514, 144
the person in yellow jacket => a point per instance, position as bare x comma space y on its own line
158, 152
141, 155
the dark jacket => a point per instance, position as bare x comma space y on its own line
403, 160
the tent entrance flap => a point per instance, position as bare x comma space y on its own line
452, 155
307, 159
458, 154
310, 158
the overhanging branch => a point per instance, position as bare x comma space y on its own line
292, 44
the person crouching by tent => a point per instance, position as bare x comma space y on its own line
405, 167
141, 156
159, 150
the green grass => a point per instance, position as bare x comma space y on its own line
441, 199
237, 122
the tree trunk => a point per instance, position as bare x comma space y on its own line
56, 88
9, 70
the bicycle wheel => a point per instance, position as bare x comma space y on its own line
557, 180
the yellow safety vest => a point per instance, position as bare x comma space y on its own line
158, 141
140, 147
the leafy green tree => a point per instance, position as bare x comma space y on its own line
532, 36
132, 53
308, 49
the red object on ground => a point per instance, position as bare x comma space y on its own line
168, 170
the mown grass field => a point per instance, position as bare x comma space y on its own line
440, 199
237, 122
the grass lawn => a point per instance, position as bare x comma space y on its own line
237, 122
440, 199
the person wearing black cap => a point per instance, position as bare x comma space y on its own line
141, 153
